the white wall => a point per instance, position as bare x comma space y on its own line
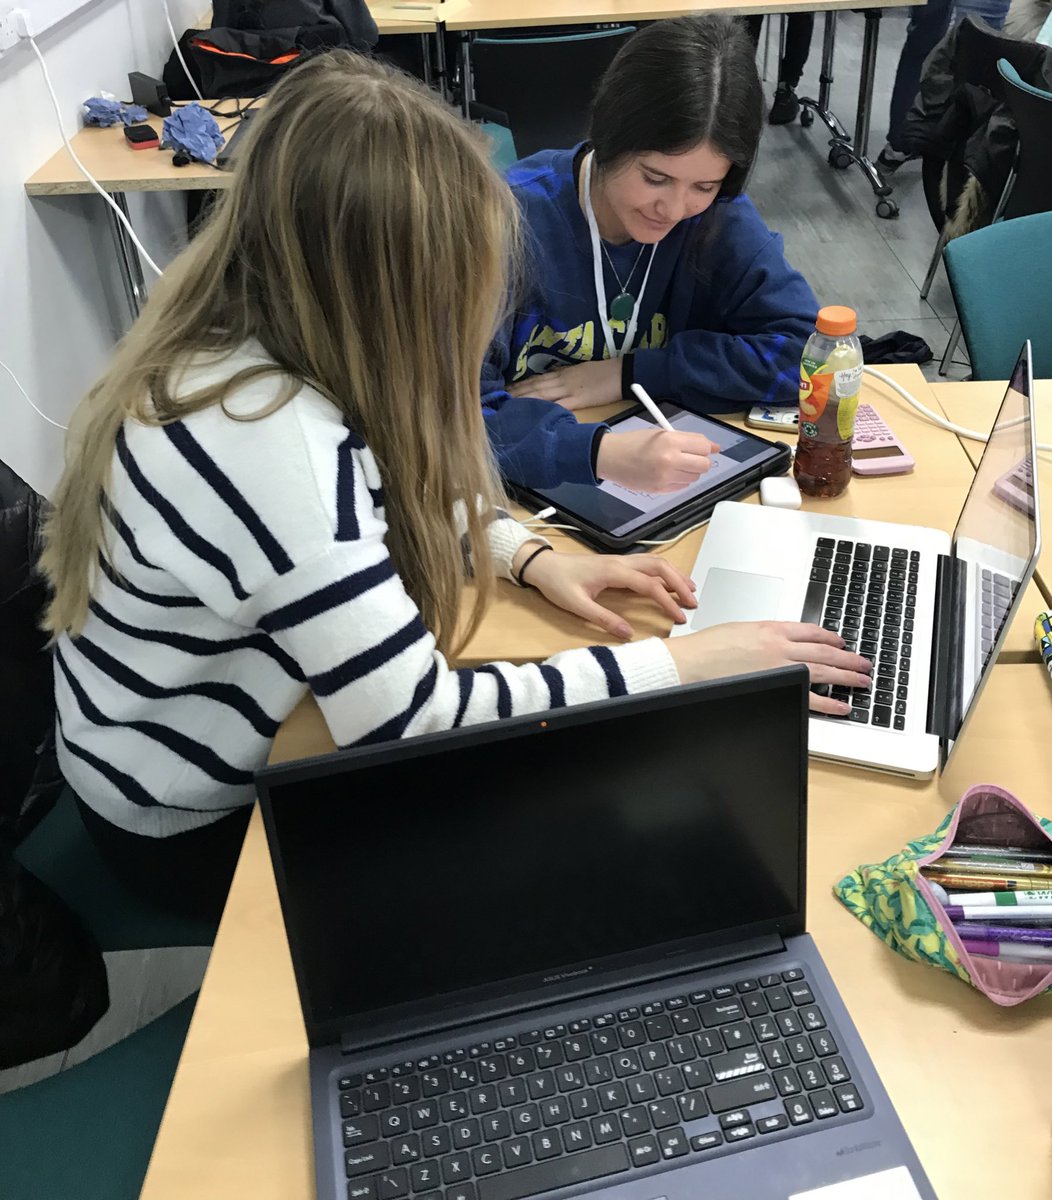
62, 304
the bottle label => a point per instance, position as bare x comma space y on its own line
848, 383
814, 394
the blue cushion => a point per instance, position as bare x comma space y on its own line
88, 1132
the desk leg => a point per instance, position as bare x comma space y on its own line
425, 56
440, 63
467, 84
842, 150
127, 258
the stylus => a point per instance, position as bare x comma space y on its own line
641, 395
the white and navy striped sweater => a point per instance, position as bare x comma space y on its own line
247, 564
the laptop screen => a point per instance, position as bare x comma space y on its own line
996, 539
490, 862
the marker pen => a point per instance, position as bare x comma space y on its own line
978, 912
1008, 899
981, 932
1009, 951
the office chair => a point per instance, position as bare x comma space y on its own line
999, 278
978, 50
540, 87
1030, 188
89, 1131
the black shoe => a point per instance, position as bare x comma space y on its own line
786, 106
889, 160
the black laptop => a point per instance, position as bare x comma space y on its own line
566, 954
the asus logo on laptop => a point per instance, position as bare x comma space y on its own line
566, 975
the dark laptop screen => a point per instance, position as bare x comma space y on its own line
489, 861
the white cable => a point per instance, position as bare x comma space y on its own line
14, 377
178, 52
83, 169
934, 417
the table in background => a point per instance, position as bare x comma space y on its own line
974, 406
119, 169
467, 16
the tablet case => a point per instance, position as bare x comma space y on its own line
695, 511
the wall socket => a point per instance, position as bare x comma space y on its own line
8, 33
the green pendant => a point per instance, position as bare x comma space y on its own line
622, 307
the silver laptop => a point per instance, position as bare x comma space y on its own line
930, 610
566, 954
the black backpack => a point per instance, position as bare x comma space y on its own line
254, 43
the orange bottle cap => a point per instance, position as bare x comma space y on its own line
836, 320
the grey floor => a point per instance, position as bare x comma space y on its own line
827, 217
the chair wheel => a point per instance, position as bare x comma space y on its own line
838, 159
887, 209
807, 117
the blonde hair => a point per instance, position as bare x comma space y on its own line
364, 243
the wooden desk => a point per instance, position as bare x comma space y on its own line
237, 1124
524, 627
974, 406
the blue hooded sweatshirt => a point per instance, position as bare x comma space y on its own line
716, 332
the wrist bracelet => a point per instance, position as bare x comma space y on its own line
522, 570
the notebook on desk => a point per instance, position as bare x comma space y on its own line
567, 955
930, 610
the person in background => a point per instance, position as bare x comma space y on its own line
279, 483
646, 262
799, 28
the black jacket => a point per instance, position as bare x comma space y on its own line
52, 978
957, 120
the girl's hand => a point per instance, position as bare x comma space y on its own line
585, 385
573, 581
743, 646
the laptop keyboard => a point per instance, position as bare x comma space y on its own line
868, 595
677, 1078
996, 593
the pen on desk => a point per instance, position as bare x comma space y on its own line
643, 396
1043, 637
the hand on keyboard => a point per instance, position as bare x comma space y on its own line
744, 646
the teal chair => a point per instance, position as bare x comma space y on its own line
61, 854
1000, 277
88, 1132
540, 87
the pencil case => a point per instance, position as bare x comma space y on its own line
896, 902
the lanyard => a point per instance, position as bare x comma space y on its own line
597, 267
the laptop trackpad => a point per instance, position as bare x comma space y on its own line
736, 596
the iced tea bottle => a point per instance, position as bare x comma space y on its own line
830, 380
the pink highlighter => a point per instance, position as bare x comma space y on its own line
875, 450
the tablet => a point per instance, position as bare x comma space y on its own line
610, 517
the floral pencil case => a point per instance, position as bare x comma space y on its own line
896, 901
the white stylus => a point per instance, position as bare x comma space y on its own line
640, 393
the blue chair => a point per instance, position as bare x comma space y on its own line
89, 1131
540, 87
999, 278
1030, 190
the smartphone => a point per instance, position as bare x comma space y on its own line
141, 137
784, 420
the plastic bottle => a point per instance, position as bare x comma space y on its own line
830, 380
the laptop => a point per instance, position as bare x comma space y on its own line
566, 955
930, 610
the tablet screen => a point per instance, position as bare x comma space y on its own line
620, 511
